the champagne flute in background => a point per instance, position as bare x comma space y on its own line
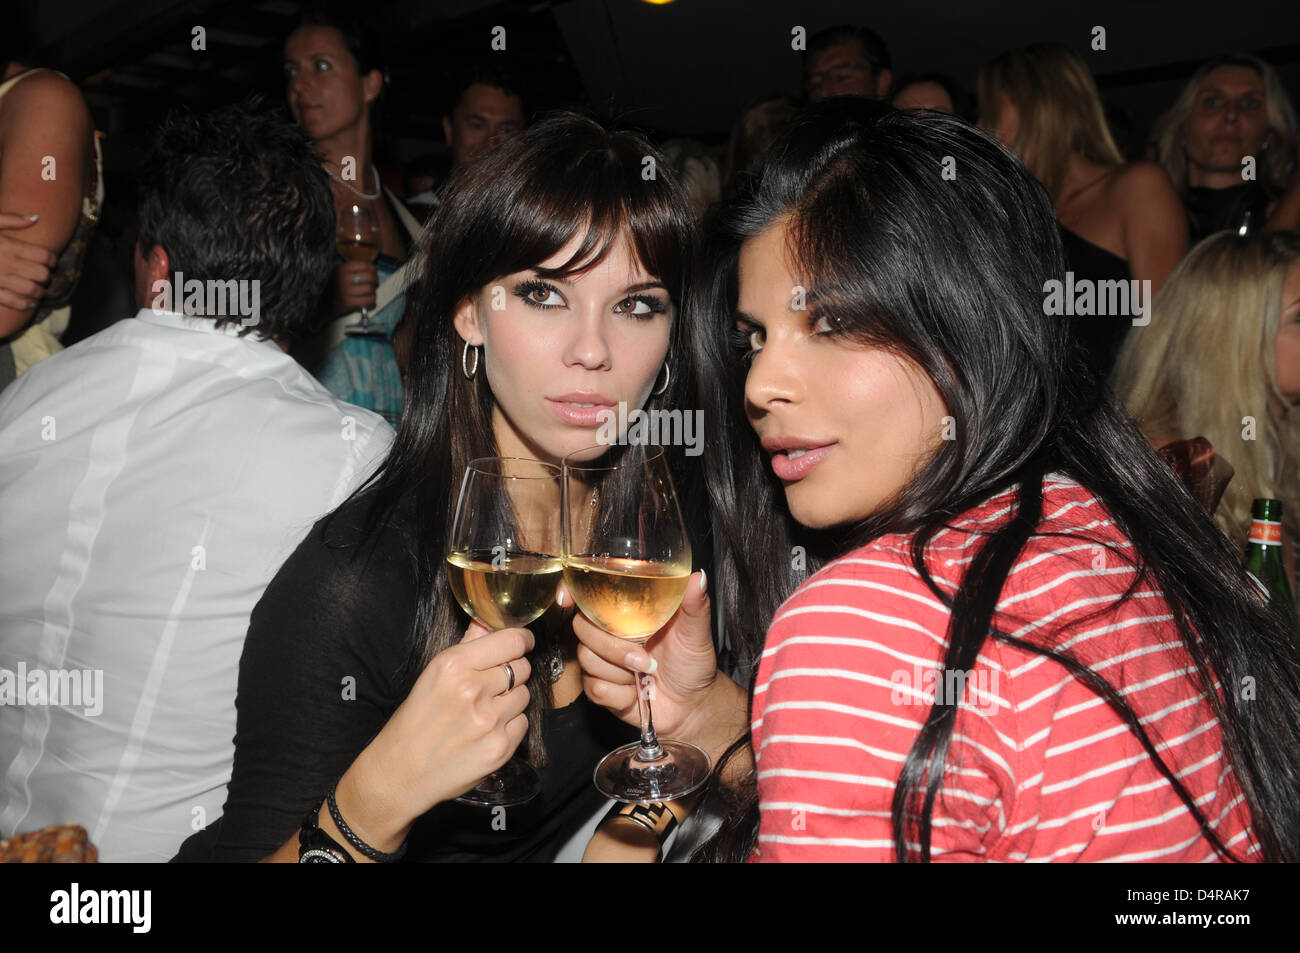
627, 560
502, 566
357, 239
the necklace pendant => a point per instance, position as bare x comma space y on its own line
554, 665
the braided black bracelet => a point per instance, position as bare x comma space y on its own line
376, 855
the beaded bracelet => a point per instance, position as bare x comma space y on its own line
317, 847
376, 855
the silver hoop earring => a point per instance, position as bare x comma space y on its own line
464, 361
668, 375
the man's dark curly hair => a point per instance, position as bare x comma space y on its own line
239, 194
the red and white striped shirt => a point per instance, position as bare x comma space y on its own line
1040, 768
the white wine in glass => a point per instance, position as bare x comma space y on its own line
630, 598
627, 560
500, 590
352, 249
357, 238
503, 562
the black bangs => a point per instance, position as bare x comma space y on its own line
569, 177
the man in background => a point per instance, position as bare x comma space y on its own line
487, 108
153, 478
846, 61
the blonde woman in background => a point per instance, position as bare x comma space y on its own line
1221, 360
1119, 220
1232, 108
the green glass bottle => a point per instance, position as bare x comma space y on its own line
1264, 557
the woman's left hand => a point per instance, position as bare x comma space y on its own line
24, 267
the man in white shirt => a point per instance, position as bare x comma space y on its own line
152, 480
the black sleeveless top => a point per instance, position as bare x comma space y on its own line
1100, 336
1236, 207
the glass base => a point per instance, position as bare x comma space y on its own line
515, 782
364, 331
622, 776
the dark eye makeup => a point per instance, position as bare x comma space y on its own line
741, 336
528, 289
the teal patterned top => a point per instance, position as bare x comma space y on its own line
363, 370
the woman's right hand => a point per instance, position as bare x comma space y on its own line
680, 657
352, 287
457, 724
693, 700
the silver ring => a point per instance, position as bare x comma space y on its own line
510, 673
356, 279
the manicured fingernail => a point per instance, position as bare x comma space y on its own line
704, 582
639, 663
560, 598
32, 218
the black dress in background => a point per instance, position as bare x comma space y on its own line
1100, 336
1239, 208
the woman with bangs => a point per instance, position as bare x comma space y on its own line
997, 626
549, 289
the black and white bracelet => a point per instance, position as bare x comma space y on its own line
317, 847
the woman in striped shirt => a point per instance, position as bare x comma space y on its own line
1021, 639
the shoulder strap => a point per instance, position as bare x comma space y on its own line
13, 81
409, 221
388, 289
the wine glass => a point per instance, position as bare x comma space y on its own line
502, 565
357, 239
627, 560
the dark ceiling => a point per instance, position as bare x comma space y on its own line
685, 68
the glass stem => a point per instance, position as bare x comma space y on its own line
650, 748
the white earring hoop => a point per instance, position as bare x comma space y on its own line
464, 361
668, 375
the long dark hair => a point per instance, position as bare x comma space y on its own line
923, 235
563, 177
